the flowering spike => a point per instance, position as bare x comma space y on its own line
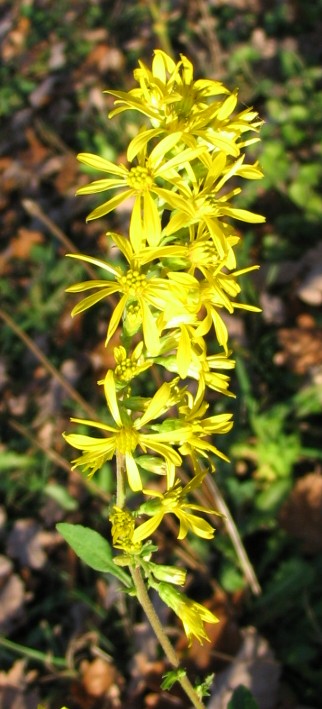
175, 279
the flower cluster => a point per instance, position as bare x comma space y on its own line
174, 276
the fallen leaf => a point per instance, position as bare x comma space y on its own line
97, 676
36, 151
254, 667
5, 569
301, 348
310, 290
24, 544
12, 597
301, 514
14, 691
22, 244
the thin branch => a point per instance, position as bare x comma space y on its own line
64, 383
214, 498
144, 599
232, 530
59, 460
35, 211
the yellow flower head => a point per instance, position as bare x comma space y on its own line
192, 614
174, 501
140, 181
131, 365
123, 526
143, 296
177, 104
127, 435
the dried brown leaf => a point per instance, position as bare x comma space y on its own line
12, 596
254, 667
24, 543
301, 514
98, 676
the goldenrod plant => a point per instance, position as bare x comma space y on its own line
178, 277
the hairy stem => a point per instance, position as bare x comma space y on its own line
163, 639
120, 487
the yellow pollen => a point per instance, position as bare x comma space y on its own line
126, 370
140, 179
133, 282
133, 309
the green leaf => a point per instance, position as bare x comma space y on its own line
203, 689
172, 676
90, 546
61, 496
93, 549
242, 699
10, 460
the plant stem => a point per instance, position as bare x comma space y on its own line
163, 639
120, 488
160, 26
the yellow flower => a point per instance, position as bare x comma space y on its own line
209, 294
175, 103
201, 428
130, 365
203, 251
173, 501
141, 294
192, 360
123, 525
138, 181
216, 294
126, 436
198, 204
192, 614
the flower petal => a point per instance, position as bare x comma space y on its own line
110, 394
133, 474
147, 528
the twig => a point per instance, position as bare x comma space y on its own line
163, 639
59, 460
47, 364
232, 530
35, 211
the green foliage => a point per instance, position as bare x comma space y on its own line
93, 549
171, 677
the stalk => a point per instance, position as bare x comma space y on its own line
120, 487
171, 655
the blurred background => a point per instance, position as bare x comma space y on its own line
67, 635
